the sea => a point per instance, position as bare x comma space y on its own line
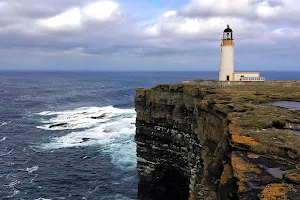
70, 135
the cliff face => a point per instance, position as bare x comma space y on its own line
216, 143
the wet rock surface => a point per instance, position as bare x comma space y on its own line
58, 125
99, 117
196, 142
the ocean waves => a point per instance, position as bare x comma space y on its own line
110, 128
6, 153
3, 124
85, 117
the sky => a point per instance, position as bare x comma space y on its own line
121, 35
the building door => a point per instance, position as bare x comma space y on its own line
227, 78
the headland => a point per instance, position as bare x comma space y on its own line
218, 140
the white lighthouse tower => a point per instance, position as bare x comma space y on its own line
227, 56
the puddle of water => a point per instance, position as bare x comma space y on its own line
296, 132
293, 105
256, 186
276, 172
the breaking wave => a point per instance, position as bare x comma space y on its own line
111, 128
6, 153
3, 124
32, 169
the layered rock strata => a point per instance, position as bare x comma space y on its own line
197, 142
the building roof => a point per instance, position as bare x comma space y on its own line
228, 29
246, 72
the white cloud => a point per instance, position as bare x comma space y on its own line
75, 18
216, 8
152, 30
107, 27
170, 13
69, 19
265, 11
271, 11
101, 10
2, 5
203, 28
286, 33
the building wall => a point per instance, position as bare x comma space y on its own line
227, 63
239, 75
227, 42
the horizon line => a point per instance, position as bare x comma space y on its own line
32, 70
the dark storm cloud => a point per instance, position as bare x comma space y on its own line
18, 40
138, 50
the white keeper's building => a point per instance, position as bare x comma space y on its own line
227, 72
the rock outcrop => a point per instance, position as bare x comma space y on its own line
196, 142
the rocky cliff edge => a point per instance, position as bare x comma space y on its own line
197, 142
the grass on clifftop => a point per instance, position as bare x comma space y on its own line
258, 125
261, 124
260, 94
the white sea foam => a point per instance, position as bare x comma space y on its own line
31, 181
3, 124
115, 197
14, 183
113, 130
4, 138
4, 154
32, 169
14, 191
85, 117
42, 199
11, 186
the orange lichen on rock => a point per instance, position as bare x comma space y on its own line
242, 167
233, 129
276, 191
293, 175
244, 140
237, 137
242, 187
227, 174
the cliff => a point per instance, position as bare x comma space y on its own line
207, 142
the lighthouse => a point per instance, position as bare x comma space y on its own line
227, 72
227, 56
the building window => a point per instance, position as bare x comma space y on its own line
242, 77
